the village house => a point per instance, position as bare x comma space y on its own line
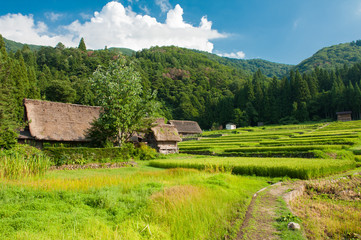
164, 138
186, 128
344, 116
55, 122
230, 126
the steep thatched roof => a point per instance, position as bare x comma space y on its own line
53, 121
166, 133
344, 113
186, 127
158, 121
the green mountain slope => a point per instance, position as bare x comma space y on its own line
250, 66
333, 57
124, 51
12, 46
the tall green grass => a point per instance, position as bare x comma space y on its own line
17, 166
302, 168
135, 204
23, 161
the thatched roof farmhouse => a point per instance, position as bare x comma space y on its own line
57, 122
186, 128
164, 138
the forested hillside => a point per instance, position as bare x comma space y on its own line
190, 85
333, 57
251, 66
12, 46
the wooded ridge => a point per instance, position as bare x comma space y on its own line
191, 85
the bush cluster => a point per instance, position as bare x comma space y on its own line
83, 155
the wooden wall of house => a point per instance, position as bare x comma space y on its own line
344, 117
168, 147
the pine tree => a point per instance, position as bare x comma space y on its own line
3, 47
301, 89
82, 45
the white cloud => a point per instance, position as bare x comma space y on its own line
115, 26
53, 16
238, 55
20, 28
164, 5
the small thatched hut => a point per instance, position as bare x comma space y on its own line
164, 138
186, 128
57, 122
344, 116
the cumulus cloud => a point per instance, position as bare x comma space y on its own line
115, 26
238, 55
20, 28
118, 26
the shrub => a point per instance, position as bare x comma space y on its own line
145, 152
8, 138
83, 155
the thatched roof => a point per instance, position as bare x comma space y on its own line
166, 133
186, 127
53, 121
158, 121
344, 113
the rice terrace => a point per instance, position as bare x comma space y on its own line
208, 191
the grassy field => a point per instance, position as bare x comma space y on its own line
126, 203
199, 196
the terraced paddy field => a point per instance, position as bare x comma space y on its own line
309, 140
297, 151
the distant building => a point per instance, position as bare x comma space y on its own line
344, 116
186, 128
56, 122
230, 126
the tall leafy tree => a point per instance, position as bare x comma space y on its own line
126, 108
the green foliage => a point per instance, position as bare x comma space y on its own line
82, 155
82, 46
126, 108
250, 66
144, 152
332, 57
8, 138
13, 47
60, 91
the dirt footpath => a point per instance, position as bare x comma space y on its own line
261, 214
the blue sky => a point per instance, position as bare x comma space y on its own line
284, 31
